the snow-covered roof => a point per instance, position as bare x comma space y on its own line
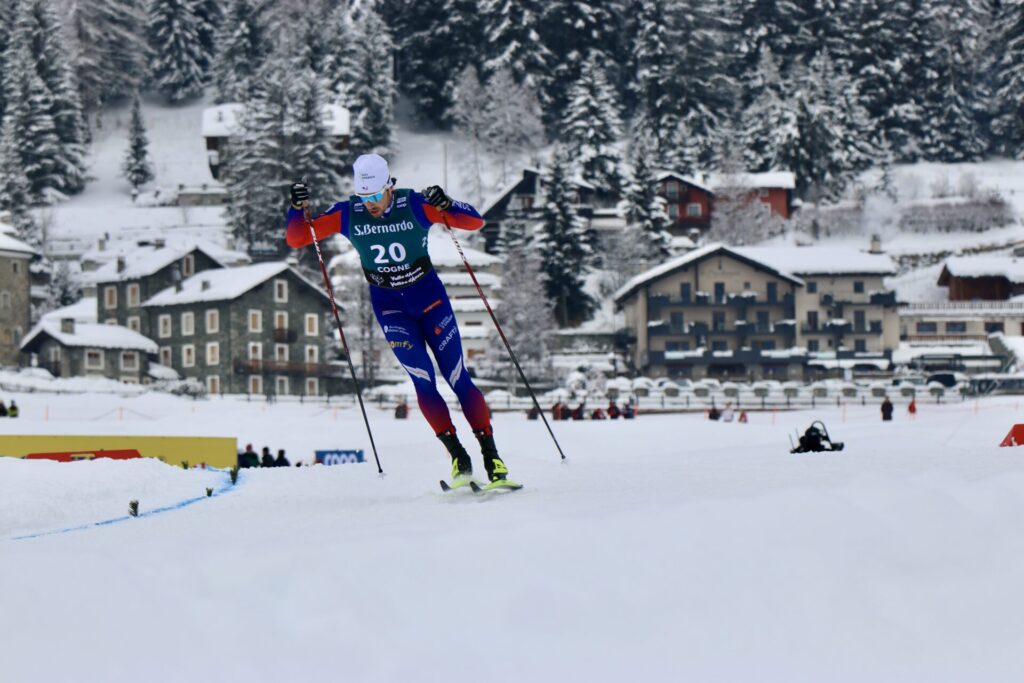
112, 248
9, 244
82, 311
785, 180
986, 266
91, 335
694, 256
147, 259
815, 260
691, 180
157, 371
221, 121
224, 284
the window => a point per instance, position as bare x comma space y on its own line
812, 320
719, 292
255, 351
133, 295
956, 327
719, 346
718, 321
812, 345
5, 299
188, 265
110, 297
768, 345
281, 386
280, 320
693, 210
165, 356
130, 361
858, 286
671, 346
255, 320
15, 266
280, 291
672, 189
255, 384
927, 328
281, 353
312, 324
812, 287
312, 354
135, 323
312, 386
858, 320
762, 192
188, 324
860, 345
212, 321
676, 321
994, 327
762, 320
685, 292
163, 323
673, 211
212, 384
18, 333
773, 292
188, 356
93, 359
213, 353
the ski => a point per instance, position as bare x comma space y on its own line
499, 485
446, 487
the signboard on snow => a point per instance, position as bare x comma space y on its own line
337, 457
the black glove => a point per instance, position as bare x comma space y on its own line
436, 197
299, 194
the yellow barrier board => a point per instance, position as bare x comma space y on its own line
214, 451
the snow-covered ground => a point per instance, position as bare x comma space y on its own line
668, 548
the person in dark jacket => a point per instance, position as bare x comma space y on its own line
13, 410
281, 461
886, 410
556, 411
401, 410
3, 409
248, 458
268, 459
532, 413
628, 412
613, 411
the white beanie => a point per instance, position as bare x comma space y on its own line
371, 174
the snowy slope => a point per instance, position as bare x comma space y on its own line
669, 548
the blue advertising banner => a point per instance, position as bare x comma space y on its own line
339, 457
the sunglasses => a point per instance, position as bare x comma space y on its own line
369, 198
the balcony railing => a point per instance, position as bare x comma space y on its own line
245, 366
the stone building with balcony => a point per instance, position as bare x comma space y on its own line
743, 313
256, 329
69, 348
15, 293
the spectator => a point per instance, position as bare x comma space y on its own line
281, 461
598, 414
402, 409
13, 410
556, 411
532, 413
728, 413
912, 408
743, 417
577, 413
613, 410
886, 410
248, 458
268, 459
627, 411
3, 409
714, 413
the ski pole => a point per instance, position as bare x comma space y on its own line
337, 319
501, 333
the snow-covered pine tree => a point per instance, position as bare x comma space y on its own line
1009, 80
15, 189
471, 113
952, 87
176, 65
136, 167
654, 84
209, 14
643, 209
514, 127
439, 39
309, 152
372, 100
243, 45
592, 129
575, 31
64, 288
109, 48
706, 91
38, 23
339, 64
513, 30
6, 26
783, 26
563, 245
768, 127
37, 148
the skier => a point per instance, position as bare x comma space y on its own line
388, 227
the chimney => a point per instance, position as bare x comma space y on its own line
205, 284
120, 264
101, 245
876, 244
67, 325
160, 243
